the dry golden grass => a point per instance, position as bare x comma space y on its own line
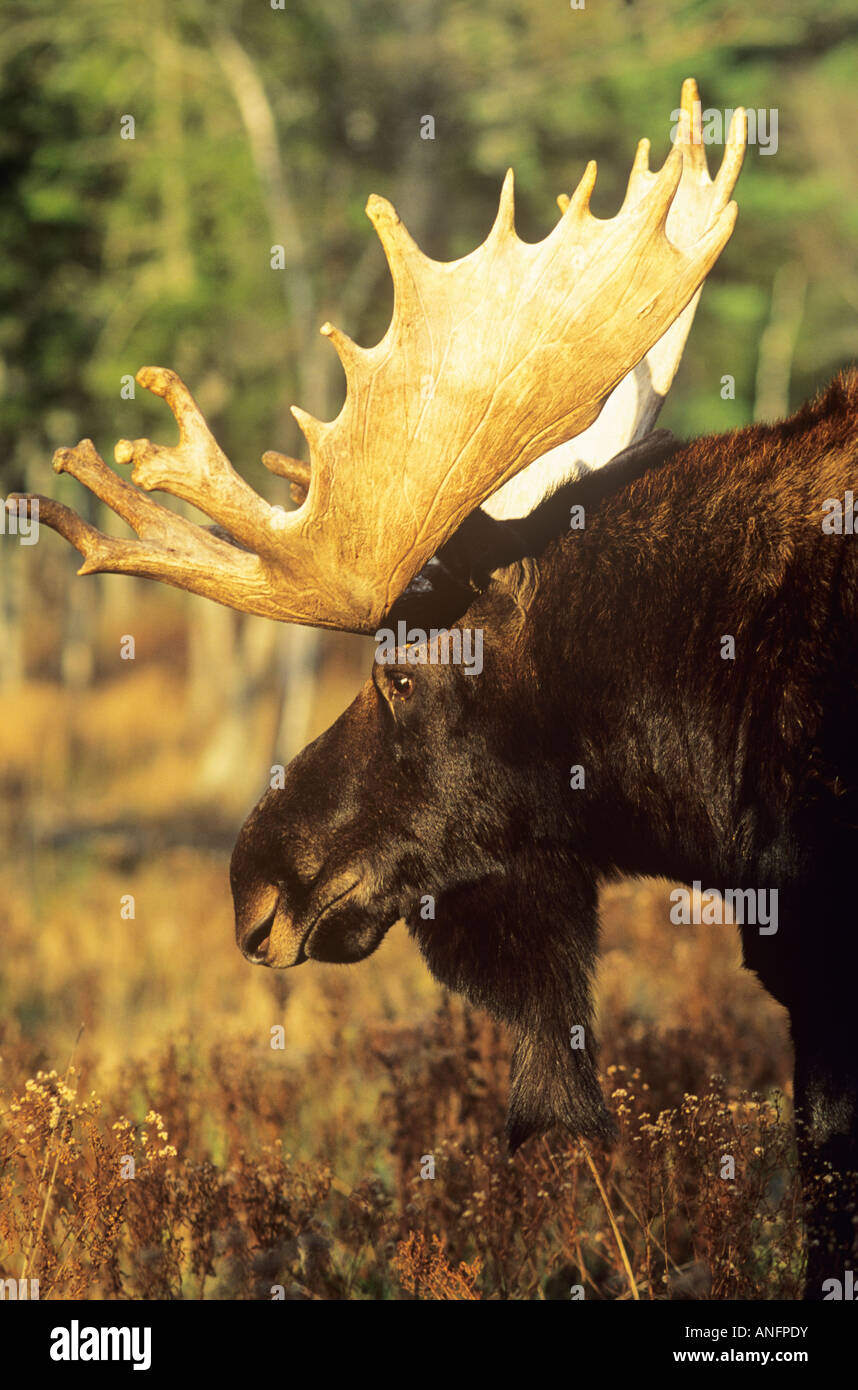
263, 1171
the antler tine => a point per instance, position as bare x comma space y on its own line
297, 473
488, 361
148, 518
196, 470
169, 548
734, 155
59, 518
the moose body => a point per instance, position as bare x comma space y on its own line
691, 649
605, 651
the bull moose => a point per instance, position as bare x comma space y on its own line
528, 378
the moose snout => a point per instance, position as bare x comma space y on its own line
254, 919
268, 929
254, 943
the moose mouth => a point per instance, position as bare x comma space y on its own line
305, 951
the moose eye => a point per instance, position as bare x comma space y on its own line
403, 686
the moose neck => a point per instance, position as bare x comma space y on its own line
643, 703
524, 948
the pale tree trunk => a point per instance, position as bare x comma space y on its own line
212, 643
233, 766
777, 343
298, 657
269, 648
11, 611
79, 609
77, 656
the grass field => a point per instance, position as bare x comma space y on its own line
304, 1170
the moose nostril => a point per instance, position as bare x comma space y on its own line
255, 944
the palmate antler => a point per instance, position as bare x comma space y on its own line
632, 408
488, 362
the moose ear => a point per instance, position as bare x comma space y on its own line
552, 1085
518, 581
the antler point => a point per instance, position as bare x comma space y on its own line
378, 209
580, 199
156, 379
